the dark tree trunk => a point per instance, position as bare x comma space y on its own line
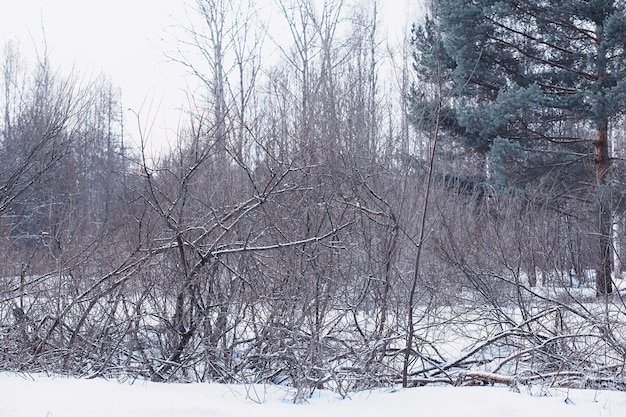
602, 164
604, 284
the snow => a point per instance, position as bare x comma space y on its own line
44, 396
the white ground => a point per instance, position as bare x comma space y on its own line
39, 396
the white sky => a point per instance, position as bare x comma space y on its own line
127, 40
121, 39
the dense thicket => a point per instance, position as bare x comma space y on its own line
299, 231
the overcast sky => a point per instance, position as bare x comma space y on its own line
127, 40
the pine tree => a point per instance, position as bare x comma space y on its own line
521, 71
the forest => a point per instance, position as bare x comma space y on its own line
345, 215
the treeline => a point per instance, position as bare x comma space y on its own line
311, 226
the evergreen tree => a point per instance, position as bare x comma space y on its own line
521, 72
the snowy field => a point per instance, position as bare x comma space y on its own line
40, 396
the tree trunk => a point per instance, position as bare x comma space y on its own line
604, 284
602, 164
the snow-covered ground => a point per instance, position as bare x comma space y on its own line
40, 396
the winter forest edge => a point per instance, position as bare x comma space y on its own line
346, 217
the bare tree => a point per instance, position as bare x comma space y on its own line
40, 114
